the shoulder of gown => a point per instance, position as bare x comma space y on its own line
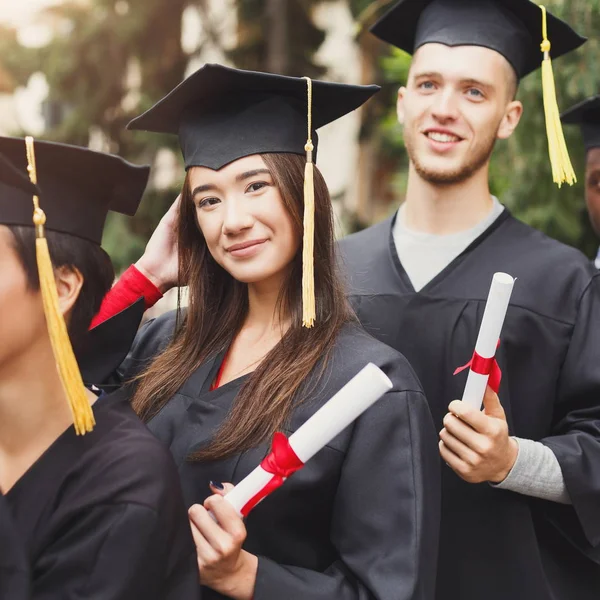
113, 523
355, 348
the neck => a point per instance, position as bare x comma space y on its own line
33, 410
263, 313
446, 209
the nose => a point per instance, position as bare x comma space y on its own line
237, 217
445, 106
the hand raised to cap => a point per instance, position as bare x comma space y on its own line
160, 262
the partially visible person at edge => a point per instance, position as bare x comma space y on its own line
586, 114
97, 506
521, 488
360, 520
15, 578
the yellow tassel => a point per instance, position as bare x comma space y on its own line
308, 267
309, 313
68, 370
562, 169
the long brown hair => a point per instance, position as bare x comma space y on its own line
218, 305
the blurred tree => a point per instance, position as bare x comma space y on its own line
109, 60
520, 173
279, 36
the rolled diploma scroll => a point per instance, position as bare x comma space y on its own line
489, 334
362, 391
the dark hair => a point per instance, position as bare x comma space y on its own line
218, 305
72, 252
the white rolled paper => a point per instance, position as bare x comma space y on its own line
489, 334
362, 391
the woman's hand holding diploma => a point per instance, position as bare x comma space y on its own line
219, 535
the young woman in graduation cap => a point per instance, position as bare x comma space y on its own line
267, 339
92, 496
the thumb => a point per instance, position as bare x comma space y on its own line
492, 406
222, 489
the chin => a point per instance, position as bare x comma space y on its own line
252, 273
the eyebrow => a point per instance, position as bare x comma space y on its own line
241, 177
478, 83
467, 81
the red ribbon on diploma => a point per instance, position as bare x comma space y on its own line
281, 462
484, 366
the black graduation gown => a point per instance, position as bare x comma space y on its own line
102, 516
497, 544
360, 521
14, 571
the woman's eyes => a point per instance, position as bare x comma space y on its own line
255, 187
208, 202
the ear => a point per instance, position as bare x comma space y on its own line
69, 282
400, 105
512, 116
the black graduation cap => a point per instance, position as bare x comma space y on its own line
586, 114
222, 114
10, 176
511, 27
77, 186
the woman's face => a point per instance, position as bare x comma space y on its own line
22, 321
247, 228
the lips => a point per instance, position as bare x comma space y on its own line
442, 137
245, 245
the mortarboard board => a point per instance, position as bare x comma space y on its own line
11, 177
79, 187
519, 30
223, 114
510, 27
586, 114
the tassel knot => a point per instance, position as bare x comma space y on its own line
39, 217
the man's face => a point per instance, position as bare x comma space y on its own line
457, 102
592, 187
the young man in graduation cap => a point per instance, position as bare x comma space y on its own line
521, 491
586, 114
94, 498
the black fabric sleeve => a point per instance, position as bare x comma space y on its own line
112, 552
139, 345
575, 438
386, 514
106, 346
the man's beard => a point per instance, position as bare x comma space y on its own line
479, 157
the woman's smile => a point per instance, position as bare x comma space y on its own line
246, 249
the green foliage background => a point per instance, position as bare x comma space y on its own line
87, 69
